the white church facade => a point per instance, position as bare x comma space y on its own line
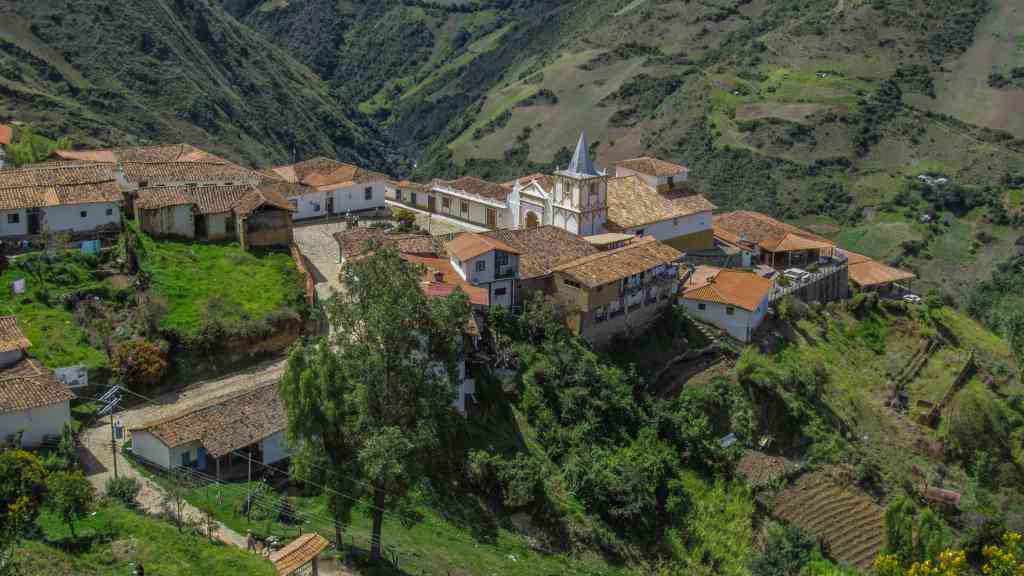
645, 196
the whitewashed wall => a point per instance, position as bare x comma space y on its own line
147, 447
69, 218
36, 423
674, 228
353, 198
740, 325
310, 205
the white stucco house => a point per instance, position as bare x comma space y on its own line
58, 198
328, 187
486, 262
33, 405
733, 300
218, 435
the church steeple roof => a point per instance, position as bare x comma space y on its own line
581, 163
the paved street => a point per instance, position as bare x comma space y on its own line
317, 243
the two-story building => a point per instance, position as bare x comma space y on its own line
328, 187
486, 262
618, 291
651, 197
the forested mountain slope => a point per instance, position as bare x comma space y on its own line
118, 72
821, 111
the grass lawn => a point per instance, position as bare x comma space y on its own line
112, 540
194, 280
57, 340
432, 546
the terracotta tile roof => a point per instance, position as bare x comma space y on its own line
163, 153
609, 266
468, 246
28, 385
327, 174
164, 197
609, 238
865, 272
266, 194
60, 174
355, 242
440, 279
46, 196
421, 244
11, 337
652, 166
743, 226
700, 276
544, 248
744, 290
546, 181
474, 185
219, 199
633, 202
6, 134
226, 424
793, 243
185, 172
298, 553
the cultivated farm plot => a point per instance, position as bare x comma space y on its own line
846, 521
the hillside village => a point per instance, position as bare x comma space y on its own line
620, 250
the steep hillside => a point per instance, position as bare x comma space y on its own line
820, 111
121, 72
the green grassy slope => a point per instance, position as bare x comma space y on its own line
120, 73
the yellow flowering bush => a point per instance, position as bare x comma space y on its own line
1005, 560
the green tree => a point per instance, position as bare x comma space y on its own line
22, 492
71, 496
370, 401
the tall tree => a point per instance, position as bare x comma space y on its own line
22, 491
370, 404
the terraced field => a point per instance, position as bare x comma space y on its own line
848, 523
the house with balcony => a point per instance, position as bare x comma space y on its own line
618, 291
765, 240
486, 262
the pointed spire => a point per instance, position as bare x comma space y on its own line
581, 163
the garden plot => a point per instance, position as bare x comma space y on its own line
846, 521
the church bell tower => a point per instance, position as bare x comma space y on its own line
580, 196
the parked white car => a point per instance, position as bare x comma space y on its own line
796, 274
912, 299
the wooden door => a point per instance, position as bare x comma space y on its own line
531, 220
330, 205
492, 218
431, 204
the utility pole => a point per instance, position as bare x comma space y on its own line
113, 443
110, 400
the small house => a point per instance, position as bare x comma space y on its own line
486, 262
34, 405
868, 274
77, 199
326, 187
733, 300
300, 556
219, 436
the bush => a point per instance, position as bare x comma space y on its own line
124, 489
140, 363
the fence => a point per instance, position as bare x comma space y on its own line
827, 284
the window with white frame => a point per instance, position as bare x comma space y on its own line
481, 265
702, 306
13, 218
368, 193
83, 214
110, 211
730, 310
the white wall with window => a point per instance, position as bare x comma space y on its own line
738, 322
13, 223
80, 217
359, 197
310, 205
674, 227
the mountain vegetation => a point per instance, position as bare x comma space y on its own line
127, 72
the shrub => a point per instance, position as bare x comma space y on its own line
124, 489
140, 363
